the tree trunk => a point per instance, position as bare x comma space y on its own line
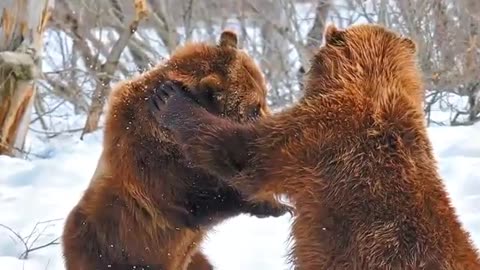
275, 50
314, 37
107, 70
22, 23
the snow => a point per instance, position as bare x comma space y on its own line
40, 189
43, 189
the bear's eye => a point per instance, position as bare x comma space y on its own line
212, 100
211, 95
206, 96
254, 112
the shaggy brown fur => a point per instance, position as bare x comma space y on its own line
353, 156
146, 206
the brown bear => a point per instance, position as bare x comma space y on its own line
353, 156
147, 207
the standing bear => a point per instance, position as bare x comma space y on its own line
353, 156
147, 207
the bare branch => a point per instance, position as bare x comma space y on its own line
107, 69
28, 243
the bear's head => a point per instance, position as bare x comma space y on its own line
370, 56
227, 79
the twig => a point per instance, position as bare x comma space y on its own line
24, 255
16, 235
22, 151
38, 235
52, 134
29, 245
40, 115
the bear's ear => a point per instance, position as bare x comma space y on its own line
228, 39
410, 44
334, 36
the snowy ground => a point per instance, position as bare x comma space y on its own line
42, 189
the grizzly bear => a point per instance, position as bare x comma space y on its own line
353, 156
147, 206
